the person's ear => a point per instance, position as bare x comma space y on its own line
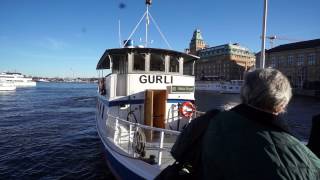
279, 109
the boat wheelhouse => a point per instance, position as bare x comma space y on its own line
142, 105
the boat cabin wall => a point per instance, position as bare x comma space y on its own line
156, 110
123, 85
115, 85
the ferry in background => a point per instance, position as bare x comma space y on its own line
7, 86
17, 78
142, 106
231, 87
227, 87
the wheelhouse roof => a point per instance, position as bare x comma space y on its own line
104, 62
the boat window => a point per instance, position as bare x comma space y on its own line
139, 62
157, 62
119, 64
115, 64
174, 64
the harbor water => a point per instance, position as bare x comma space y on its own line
49, 131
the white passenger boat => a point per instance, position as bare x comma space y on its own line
142, 106
7, 86
17, 78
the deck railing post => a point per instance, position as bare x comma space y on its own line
116, 131
160, 148
129, 140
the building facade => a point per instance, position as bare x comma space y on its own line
299, 61
224, 62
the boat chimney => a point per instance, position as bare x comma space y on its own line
128, 43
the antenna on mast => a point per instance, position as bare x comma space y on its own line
148, 16
119, 34
148, 3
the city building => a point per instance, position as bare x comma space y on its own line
224, 62
299, 61
197, 43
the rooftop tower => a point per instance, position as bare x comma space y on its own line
197, 42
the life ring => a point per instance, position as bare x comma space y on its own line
187, 109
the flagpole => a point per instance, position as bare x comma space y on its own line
264, 28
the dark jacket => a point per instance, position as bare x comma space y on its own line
246, 143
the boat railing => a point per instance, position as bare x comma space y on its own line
150, 144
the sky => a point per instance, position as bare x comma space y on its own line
66, 38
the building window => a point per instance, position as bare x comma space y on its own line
282, 60
290, 60
300, 60
311, 59
273, 62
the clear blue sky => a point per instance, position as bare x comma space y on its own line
60, 37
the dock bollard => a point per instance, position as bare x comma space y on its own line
314, 139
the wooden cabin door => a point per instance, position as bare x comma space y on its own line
155, 108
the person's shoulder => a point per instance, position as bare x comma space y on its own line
290, 144
209, 114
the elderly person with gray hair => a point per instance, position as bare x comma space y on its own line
250, 142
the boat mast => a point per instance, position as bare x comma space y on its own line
148, 16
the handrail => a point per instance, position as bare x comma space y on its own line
133, 125
146, 127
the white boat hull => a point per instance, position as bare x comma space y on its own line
25, 84
117, 136
7, 88
122, 164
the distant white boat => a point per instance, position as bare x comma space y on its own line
228, 87
42, 80
17, 78
214, 86
6, 86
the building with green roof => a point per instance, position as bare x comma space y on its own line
223, 62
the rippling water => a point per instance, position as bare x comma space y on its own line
49, 132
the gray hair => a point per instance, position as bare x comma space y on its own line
266, 89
